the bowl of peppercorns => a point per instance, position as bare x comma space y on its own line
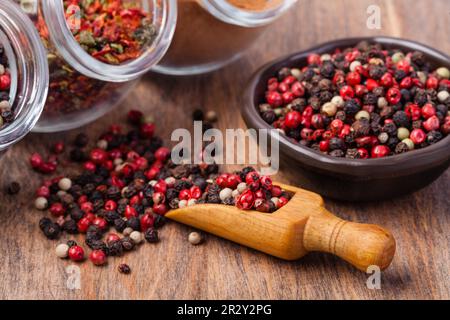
359, 119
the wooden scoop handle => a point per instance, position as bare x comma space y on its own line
362, 245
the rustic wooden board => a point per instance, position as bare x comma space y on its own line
220, 269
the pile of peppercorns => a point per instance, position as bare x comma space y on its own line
362, 102
6, 114
129, 183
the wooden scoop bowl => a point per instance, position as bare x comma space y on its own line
301, 226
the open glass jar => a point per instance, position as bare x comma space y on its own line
27, 66
213, 33
83, 87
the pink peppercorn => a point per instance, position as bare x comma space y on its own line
76, 253
98, 257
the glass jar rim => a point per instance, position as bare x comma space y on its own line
229, 13
62, 37
32, 78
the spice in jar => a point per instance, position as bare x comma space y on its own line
112, 31
6, 112
131, 184
362, 102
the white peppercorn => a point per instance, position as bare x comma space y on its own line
225, 193
41, 203
62, 250
65, 184
403, 133
195, 238
127, 231
136, 237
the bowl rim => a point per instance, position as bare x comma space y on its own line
396, 165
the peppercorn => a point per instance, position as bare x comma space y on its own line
134, 223
52, 231
115, 248
70, 226
351, 107
71, 243
127, 244
124, 268
195, 238
151, 235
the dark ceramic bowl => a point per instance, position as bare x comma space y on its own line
345, 179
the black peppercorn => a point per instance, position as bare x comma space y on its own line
120, 224
127, 244
70, 226
71, 243
433, 137
124, 268
401, 119
269, 117
351, 107
44, 222
159, 221
401, 148
115, 248
327, 70
337, 153
337, 144
361, 127
151, 235
134, 223
52, 231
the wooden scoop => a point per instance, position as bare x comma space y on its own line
301, 226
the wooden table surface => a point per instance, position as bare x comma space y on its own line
218, 269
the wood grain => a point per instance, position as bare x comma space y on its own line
220, 269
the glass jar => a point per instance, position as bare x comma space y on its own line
213, 33
82, 88
28, 69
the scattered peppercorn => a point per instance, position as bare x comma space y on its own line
360, 102
130, 184
6, 111
124, 268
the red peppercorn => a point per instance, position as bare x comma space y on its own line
406, 83
222, 180
158, 197
346, 130
363, 153
5, 81
98, 257
160, 186
259, 194
393, 95
58, 147
36, 160
288, 97
293, 119
428, 110
387, 80
76, 253
274, 99
272, 84
147, 130
297, 89
371, 84
246, 200
380, 151
232, 181
413, 111
90, 166
324, 145
282, 201
57, 209
404, 66
147, 222
432, 83
196, 192
283, 87
87, 207
82, 199
336, 126
130, 212
112, 237
98, 156
266, 183
314, 59
43, 191
160, 209
276, 191
90, 216
353, 78
418, 136
306, 134
432, 123
110, 205
360, 90
185, 194
135, 200
100, 223
83, 224
252, 177
347, 92
162, 154
152, 173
